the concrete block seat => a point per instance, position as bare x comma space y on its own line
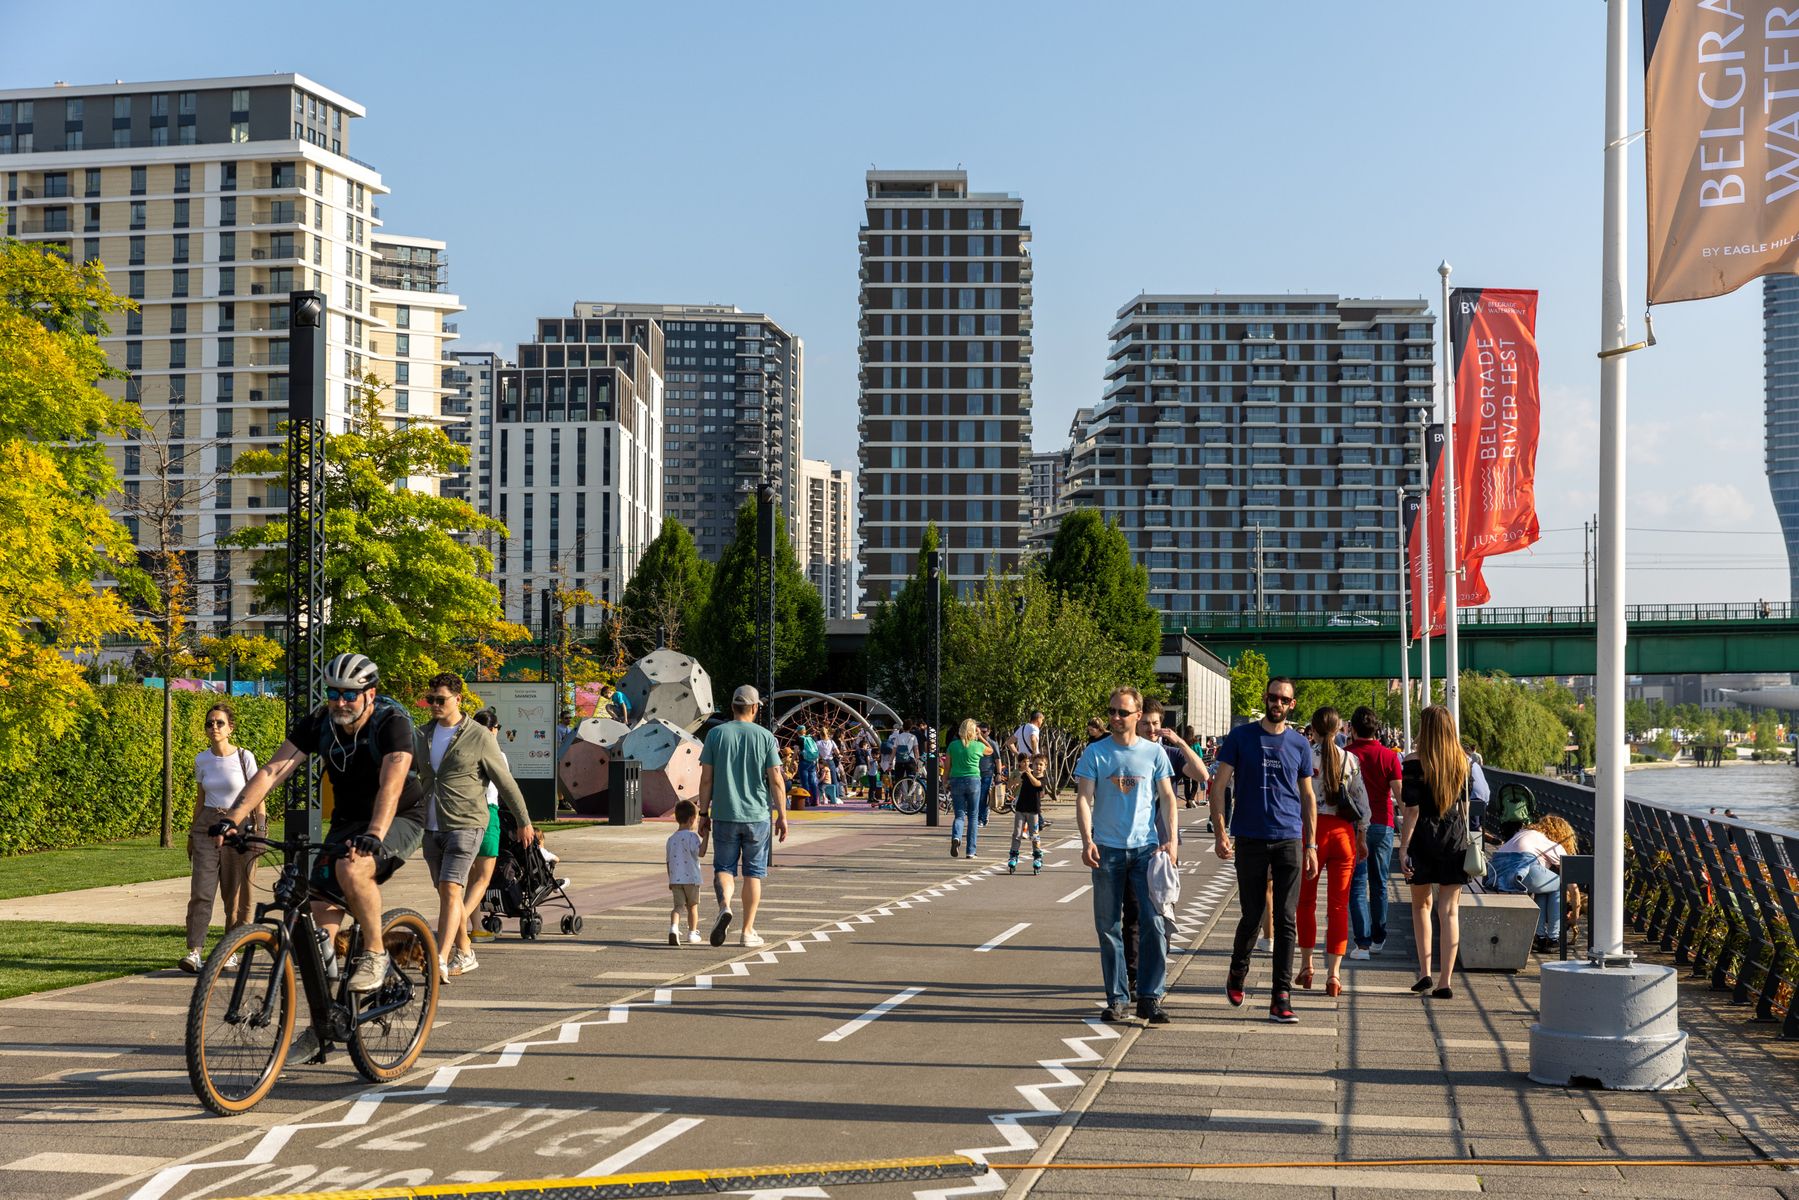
1497, 930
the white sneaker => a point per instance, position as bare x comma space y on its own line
368, 972
751, 938
695, 938
1359, 954
1264, 946
1377, 947
443, 973
462, 962
231, 963
191, 962
674, 935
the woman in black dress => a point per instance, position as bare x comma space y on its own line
1432, 843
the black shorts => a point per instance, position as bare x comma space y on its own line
404, 836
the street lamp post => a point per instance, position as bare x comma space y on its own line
1405, 614
934, 575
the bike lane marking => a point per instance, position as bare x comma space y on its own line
871, 1016
1076, 894
614, 1163
1010, 933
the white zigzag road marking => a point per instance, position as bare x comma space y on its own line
363, 1108
1008, 1125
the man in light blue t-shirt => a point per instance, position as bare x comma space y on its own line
743, 802
1120, 782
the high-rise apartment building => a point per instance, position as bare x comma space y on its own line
1780, 366
824, 533
1049, 471
578, 459
1250, 447
735, 391
411, 303
468, 377
945, 377
208, 200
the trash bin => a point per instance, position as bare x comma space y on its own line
624, 793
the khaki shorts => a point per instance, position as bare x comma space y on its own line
687, 895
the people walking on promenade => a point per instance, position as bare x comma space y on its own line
1530, 862
481, 874
1123, 793
966, 751
465, 759
1342, 845
220, 771
743, 804
1185, 763
1027, 812
1432, 842
683, 852
1272, 834
1368, 888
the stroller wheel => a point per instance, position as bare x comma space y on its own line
491, 922
574, 923
568, 925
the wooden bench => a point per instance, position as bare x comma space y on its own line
1497, 930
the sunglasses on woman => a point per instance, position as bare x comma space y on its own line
218, 724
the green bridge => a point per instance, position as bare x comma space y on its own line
1664, 639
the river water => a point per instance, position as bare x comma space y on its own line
1762, 793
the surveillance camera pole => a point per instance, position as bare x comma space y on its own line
308, 312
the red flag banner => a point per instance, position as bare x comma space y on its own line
1497, 411
1721, 101
1428, 594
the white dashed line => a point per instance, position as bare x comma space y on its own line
1012, 932
1076, 894
868, 1018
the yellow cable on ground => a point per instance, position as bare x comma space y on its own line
1403, 1162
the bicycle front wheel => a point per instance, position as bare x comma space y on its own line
908, 797
240, 1020
393, 1021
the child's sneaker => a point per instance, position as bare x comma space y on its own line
1011, 866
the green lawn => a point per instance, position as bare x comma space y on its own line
136, 860
36, 956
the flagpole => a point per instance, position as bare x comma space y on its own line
1405, 614
1452, 662
1423, 526
1610, 1019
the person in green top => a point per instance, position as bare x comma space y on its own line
742, 792
966, 750
807, 775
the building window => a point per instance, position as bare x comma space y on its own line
228, 177
138, 176
74, 140
403, 317
227, 247
240, 101
180, 251
240, 131
159, 106
181, 214
72, 110
189, 101
159, 135
93, 181
137, 253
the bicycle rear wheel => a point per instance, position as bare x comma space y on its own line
908, 797
393, 1021
240, 1020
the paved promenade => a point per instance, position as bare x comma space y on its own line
907, 1004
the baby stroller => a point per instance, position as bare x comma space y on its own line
524, 882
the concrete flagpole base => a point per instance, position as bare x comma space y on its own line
1617, 1027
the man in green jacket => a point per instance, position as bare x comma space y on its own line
465, 765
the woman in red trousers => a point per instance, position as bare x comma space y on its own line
1342, 842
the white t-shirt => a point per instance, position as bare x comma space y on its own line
1024, 739
1533, 841
684, 857
223, 778
827, 750
441, 737
905, 745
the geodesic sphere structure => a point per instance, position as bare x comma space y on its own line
585, 766
670, 764
666, 685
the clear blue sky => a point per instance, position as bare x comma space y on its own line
709, 152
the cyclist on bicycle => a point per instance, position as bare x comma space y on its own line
377, 821
905, 753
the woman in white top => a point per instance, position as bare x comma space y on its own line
220, 771
1531, 862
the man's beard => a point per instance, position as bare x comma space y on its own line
344, 719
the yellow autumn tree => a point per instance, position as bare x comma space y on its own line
57, 539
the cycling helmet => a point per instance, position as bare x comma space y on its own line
352, 671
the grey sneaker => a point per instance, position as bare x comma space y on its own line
367, 972
462, 962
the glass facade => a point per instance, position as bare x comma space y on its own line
1780, 364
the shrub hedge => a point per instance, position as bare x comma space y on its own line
103, 780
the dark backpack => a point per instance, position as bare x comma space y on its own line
386, 709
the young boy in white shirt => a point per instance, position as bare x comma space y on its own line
684, 850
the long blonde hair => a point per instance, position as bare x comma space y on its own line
968, 731
1440, 759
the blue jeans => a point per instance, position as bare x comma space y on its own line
1116, 867
1529, 874
1368, 889
964, 799
807, 777
986, 790
741, 846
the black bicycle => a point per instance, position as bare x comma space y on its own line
240, 1022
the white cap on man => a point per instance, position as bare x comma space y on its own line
745, 696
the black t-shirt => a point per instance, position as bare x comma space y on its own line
1437, 838
1030, 796
355, 768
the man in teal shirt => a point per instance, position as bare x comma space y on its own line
742, 793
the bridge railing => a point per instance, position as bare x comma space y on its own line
1720, 896
1175, 622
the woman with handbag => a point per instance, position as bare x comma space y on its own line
1435, 844
220, 771
1343, 815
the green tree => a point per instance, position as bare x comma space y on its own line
57, 535
1089, 561
899, 638
1510, 724
1249, 683
1767, 735
1576, 717
667, 593
1344, 695
403, 586
1638, 718
731, 636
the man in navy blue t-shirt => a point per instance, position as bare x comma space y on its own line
1274, 824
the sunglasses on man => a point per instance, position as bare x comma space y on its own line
1272, 699
332, 693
